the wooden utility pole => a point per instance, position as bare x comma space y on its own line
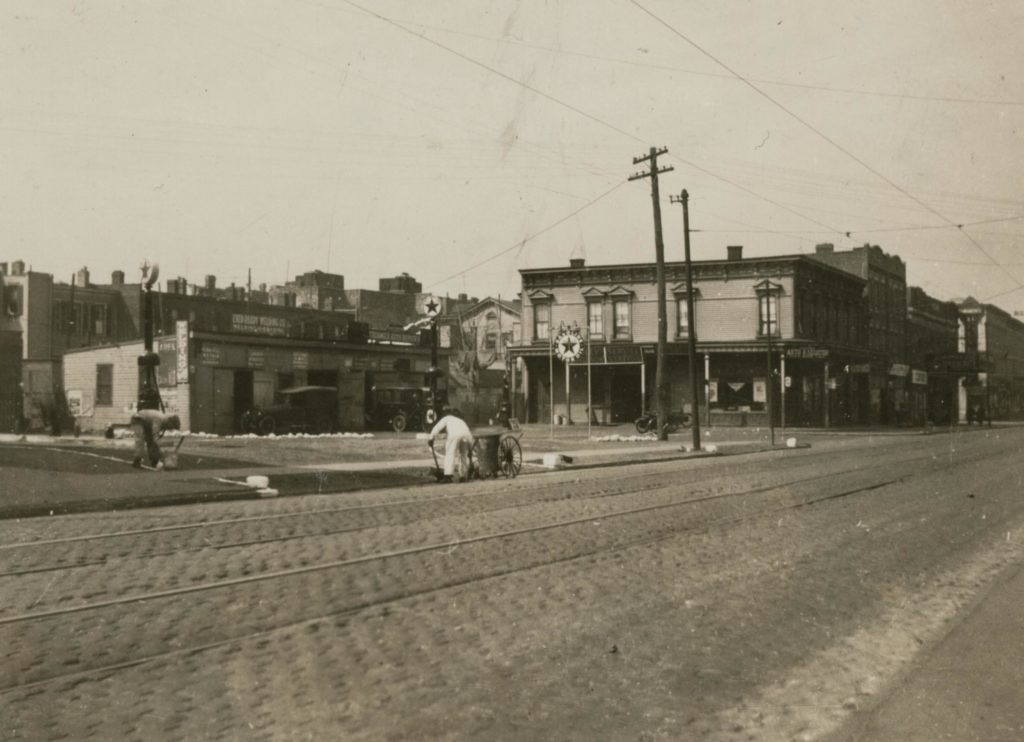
661, 378
691, 322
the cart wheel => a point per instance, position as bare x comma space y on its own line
399, 422
510, 456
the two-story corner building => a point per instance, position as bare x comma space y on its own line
791, 321
886, 277
990, 368
931, 336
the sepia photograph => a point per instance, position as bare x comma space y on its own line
512, 370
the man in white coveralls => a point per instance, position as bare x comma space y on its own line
460, 440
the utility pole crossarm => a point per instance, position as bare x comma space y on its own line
638, 176
653, 154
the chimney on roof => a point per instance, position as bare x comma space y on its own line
82, 277
18, 268
735, 252
3, 269
576, 262
463, 297
211, 282
825, 248
117, 278
172, 285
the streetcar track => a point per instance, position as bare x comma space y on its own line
451, 544
352, 610
327, 511
100, 672
607, 492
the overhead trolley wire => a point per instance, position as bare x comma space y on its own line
579, 111
827, 138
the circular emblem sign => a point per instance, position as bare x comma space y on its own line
568, 346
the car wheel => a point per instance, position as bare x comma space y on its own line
399, 422
266, 426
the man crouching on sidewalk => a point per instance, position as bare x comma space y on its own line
147, 426
456, 452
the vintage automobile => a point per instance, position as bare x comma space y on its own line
305, 409
400, 408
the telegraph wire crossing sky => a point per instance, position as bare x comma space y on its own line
462, 141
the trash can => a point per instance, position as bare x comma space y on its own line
486, 451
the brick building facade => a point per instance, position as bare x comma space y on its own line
800, 318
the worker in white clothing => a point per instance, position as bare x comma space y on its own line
460, 440
148, 425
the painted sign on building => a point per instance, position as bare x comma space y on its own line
918, 377
181, 360
254, 324
807, 353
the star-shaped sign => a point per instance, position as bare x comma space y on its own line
433, 307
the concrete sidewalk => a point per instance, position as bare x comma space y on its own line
969, 688
98, 481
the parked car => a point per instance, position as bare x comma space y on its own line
306, 409
400, 408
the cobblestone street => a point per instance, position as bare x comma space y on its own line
765, 596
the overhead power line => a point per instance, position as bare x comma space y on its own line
579, 111
521, 243
824, 136
718, 75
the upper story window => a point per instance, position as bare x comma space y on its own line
623, 322
595, 318
768, 308
682, 308
682, 316
491, 341
541, 320
768, 314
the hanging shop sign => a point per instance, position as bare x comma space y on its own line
859, 368
918, 377
899, 369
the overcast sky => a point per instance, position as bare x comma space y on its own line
461, 141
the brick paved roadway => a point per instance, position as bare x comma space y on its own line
657, 601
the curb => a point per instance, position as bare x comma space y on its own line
246, 493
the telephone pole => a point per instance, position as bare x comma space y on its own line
661, 379
691, 334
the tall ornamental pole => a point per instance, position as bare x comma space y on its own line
433, 310
149, 390
661, 377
